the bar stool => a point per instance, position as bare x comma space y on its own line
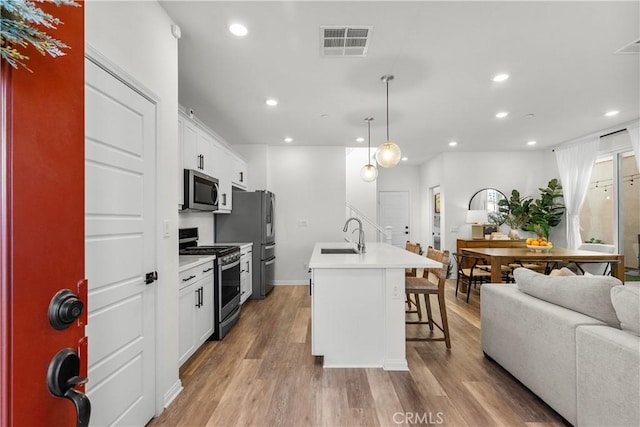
432, 283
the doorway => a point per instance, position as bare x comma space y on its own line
436, 203
394, 213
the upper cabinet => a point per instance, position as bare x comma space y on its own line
201, 150
239, 172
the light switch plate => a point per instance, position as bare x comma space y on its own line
165, 228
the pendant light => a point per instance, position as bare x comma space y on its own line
369, 172
388, 153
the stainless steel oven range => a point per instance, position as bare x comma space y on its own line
227, 279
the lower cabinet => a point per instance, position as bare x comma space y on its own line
246, 272
196, 310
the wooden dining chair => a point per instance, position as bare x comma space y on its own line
432, 283
412, 272
469, 272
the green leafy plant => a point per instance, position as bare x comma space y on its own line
546, 211
21, 24
515, 210
535, 215
593, 240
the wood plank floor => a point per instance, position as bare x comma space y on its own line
263, 374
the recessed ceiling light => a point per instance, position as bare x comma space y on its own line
359, 139
531, 142
611, 113
238, 30
288, 139
502, 114
500, 77
453, 144
271, 102
404, 159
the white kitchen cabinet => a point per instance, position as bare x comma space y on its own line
180, 182
206, 150
225, 201
246, 272
197, 147
239, 172
202, 150
187, 323
190, 153
195, 308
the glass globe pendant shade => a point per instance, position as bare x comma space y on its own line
368, 173
388, 154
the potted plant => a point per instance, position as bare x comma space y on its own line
516, 212
535, 215
546, 211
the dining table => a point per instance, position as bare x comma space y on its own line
496, 257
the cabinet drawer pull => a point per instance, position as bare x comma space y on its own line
188, 278
207, 270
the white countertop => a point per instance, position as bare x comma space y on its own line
186, 262
378, 255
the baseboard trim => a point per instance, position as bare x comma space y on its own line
395, 365
300, 282
172, 393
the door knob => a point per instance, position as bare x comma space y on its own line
64, 308
63, 376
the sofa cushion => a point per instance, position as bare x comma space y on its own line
626, 302
589, 295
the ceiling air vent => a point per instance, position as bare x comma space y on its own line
631, 48
344, 40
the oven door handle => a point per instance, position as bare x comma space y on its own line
270, 262
228, 266
270, 246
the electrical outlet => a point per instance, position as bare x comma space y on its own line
395, 294
454, 229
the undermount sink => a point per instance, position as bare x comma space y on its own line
338, 251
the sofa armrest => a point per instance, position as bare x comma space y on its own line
535, 341
608, 376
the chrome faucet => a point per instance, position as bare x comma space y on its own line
361, 247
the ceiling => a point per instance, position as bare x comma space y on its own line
443, 55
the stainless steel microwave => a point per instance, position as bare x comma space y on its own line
200, 191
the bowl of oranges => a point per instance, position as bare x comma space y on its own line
539, 244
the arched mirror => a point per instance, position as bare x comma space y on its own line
487, 200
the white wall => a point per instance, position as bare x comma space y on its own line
257, 157
360, 194
406, 178
203, 221
136, 37
461, 174
309, 184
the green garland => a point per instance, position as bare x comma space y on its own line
19, 22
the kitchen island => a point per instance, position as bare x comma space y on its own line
358, 305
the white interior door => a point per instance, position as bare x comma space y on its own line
394, 212
120, 220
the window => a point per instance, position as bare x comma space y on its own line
611, 210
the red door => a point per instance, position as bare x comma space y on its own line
42, 224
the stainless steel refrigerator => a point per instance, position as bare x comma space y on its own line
252, 220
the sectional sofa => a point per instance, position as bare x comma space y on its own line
573, 340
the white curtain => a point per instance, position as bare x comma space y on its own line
575, 164
635, 141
